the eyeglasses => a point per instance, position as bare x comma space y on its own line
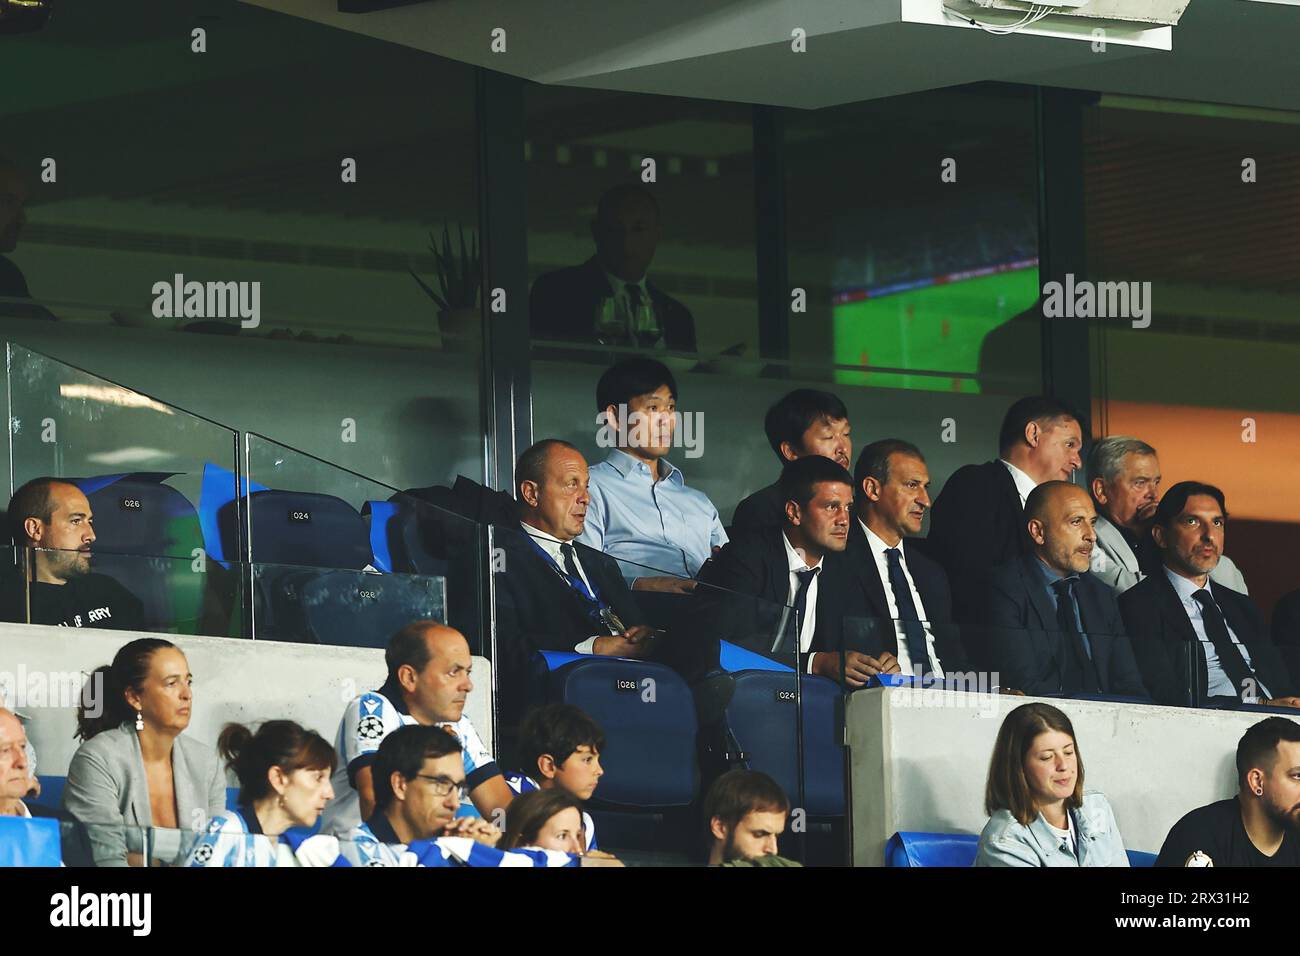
443, 786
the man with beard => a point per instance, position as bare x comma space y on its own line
1197, 642
1124, 478
1258, 826
803, 422
52, 528
745, 811
1051, 628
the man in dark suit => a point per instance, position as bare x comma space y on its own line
978, 519
897, 606
608, 299
1048, 626
1199, 643
552, 593
803, 422
774, 591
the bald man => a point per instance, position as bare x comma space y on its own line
428, 683
52, 521
1047, 625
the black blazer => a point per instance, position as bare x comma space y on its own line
1019, 637
742, 599
976, 523
562, 305
537, 611
1166, 644
764, 509
865, 598
1286, 620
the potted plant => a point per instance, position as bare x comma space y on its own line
460, 275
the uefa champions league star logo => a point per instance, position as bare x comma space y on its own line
370, 728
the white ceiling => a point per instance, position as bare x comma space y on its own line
1237, 52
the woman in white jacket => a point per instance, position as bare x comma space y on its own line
1039, 814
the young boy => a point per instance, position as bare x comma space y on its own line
559, 746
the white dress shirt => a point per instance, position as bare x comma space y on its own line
795, 562
551, 545
1219, 683
1024, 484
878, 549
623, 302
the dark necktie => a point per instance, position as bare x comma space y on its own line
914, 631
1216, 629
801, 602
1080, 670
570, 563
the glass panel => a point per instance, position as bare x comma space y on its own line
337, 558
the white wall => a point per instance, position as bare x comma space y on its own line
919, 765
234, 680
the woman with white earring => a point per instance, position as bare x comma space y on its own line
284, 782
135, 770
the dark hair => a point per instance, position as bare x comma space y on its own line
1175, 499
1035, 408
799, 478
874, 460
129, 669
404, 751
277, 743
558, 730
632, 377
1258, 745
796, 412
527, 814
616, 194
531, 465
407, 646
740, 792
1007, 788
32, 500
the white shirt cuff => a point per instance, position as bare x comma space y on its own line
811, 657
586, 647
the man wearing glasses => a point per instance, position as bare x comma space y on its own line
428, 684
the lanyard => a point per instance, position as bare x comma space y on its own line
590, 597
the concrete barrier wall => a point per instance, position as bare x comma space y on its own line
246, 681
919, 763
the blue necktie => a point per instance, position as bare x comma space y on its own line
917, 646
801, 602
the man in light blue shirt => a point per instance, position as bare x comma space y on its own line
641, 511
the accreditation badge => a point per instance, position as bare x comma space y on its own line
1199, 858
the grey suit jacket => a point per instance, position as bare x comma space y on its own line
1005, 842
106, 785
1114, 562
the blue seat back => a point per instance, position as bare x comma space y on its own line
359, 609
51, 791
931, 849
299, 528
761, 720
25, 842
648, 717
1137, 858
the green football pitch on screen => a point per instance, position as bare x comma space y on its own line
937, 328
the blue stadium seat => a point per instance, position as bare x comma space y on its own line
931, 849
1138, 858
25, 842
51, 791
360, 609
299, 528
753, 717
147, 533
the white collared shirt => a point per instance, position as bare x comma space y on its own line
1219, 683
551, 545
623, 301
1024, 484
878, 549
795, 562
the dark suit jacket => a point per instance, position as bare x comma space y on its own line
562, 305
1166, 644
764, 509
1286, 620
976, 523
536, 610
865, 598
1019, 636
742, 599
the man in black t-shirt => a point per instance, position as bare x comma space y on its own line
1261, 825
52, 527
